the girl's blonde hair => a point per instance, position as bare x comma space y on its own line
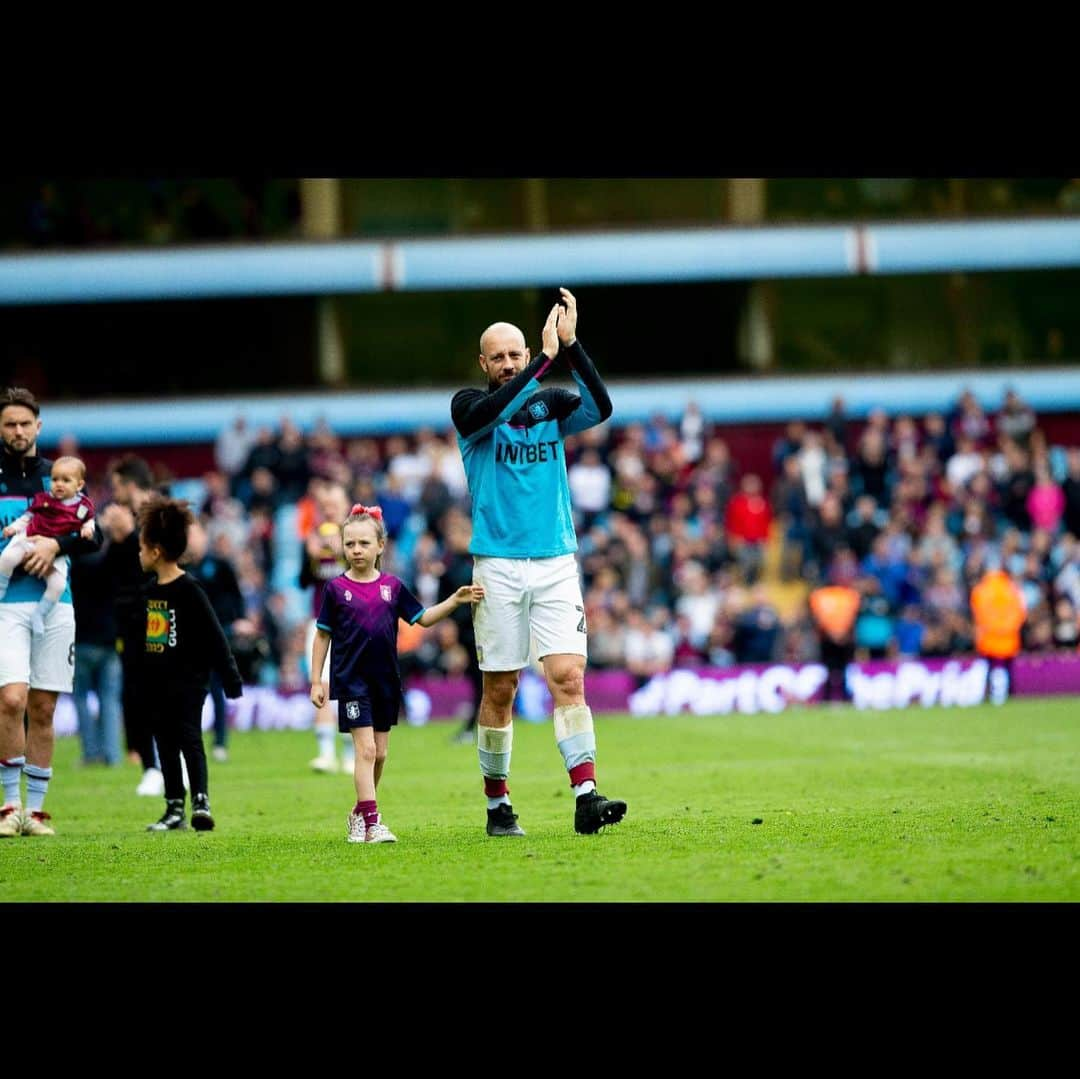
367, 513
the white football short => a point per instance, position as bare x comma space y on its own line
48, 663
309, 643
523, 598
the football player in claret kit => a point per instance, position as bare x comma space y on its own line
359, 613
62, 510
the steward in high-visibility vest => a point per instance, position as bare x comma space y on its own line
999, 611
834, 609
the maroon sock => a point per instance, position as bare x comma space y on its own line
495, 788
581, 772
369, 811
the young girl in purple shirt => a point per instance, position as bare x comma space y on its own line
359, 613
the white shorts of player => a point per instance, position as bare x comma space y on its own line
309, 643
523, 598
48, 663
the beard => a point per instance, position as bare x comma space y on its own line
24, 448
498, 380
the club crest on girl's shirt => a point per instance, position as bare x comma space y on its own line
348, 596
384, 591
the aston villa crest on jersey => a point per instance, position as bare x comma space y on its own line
384, 591
81, 511
538, 410
348, 596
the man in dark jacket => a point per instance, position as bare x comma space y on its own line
132, 485
97, 665
219, 582
459, 571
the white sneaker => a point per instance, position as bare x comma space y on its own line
11, 821
324, 764
355, 824
348, 766
152, 784
33, 823
379, 833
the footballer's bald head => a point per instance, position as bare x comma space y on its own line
502, 352
495, 334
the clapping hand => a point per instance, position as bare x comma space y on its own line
550, 333
567, 328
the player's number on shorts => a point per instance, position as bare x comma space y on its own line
71, 654
581, 624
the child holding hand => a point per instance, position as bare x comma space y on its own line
359, 613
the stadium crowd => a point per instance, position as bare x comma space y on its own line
687, 560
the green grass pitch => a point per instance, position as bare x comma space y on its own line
811, 805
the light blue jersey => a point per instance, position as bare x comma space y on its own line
511, 443
24, 587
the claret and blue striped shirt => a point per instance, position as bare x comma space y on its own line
511, 442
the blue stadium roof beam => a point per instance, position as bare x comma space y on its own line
330, 268
974, 246
523, 261
192, 273
624, 258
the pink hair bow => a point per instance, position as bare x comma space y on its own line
372, 511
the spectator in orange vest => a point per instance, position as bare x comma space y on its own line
834, 609
999, 611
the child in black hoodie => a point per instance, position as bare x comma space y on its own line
184, 642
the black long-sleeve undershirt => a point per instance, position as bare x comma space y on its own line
579, 360
474, 409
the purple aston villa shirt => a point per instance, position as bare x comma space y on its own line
362, 620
